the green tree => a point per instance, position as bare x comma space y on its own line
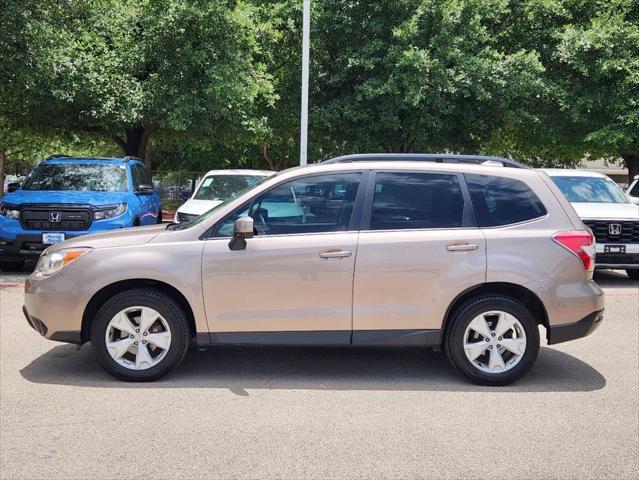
405, 75
589, 102
21, 148
598, 62
130, 69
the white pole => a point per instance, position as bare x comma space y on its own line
306, 38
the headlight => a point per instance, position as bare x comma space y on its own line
111, 212
50, 263
9, 211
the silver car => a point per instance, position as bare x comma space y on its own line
425, 250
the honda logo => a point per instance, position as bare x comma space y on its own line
55, 217
614, 229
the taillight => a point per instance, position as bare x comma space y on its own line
579, 242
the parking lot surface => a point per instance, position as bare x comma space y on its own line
321, 412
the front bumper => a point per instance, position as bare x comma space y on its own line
619, 261
24, 246
579, 329
67, 336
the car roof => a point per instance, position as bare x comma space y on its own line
62, 160
518, 173
571, 172
427, 157
240, 171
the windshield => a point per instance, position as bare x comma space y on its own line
210, 212
590, 190
79, 177
221, 187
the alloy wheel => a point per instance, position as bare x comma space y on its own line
138, 338
494, 341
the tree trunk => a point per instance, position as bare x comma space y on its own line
135, 145
631, 160
3, 158
267, 156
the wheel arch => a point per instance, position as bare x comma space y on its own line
105, 293
517, 292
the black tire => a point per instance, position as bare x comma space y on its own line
159, 219
12, 266
454, 339
633, 274
165, 306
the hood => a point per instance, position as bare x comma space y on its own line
124, 237
615, 211
20, 197
198, 207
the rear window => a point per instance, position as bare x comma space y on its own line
503, 201
78, 177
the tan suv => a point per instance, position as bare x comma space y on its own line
424, 250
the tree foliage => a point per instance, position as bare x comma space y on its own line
128, 69
217, 83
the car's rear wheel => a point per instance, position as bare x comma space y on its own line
493, 340
634, 274
140, 335
12, 266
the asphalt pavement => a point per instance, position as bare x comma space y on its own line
236, 412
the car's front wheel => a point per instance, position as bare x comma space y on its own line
493, 340
634, 274
140, 335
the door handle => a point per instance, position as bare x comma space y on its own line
335, 254
461, 247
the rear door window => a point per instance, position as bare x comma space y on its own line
409, 200
502, 201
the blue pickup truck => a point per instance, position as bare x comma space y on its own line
64, 197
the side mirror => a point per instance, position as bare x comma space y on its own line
13, 186
634, 200
144, 190
242, 230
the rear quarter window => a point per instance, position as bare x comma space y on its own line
503, 201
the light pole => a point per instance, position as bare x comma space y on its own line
306, 39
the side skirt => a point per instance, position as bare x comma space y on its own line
423, 338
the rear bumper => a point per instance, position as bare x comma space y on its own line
579, 329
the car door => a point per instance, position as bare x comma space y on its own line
294, 281
418, 249
151, 203
144, 207
137, 199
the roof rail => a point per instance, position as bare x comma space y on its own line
427, 157
57, 155
131, 157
